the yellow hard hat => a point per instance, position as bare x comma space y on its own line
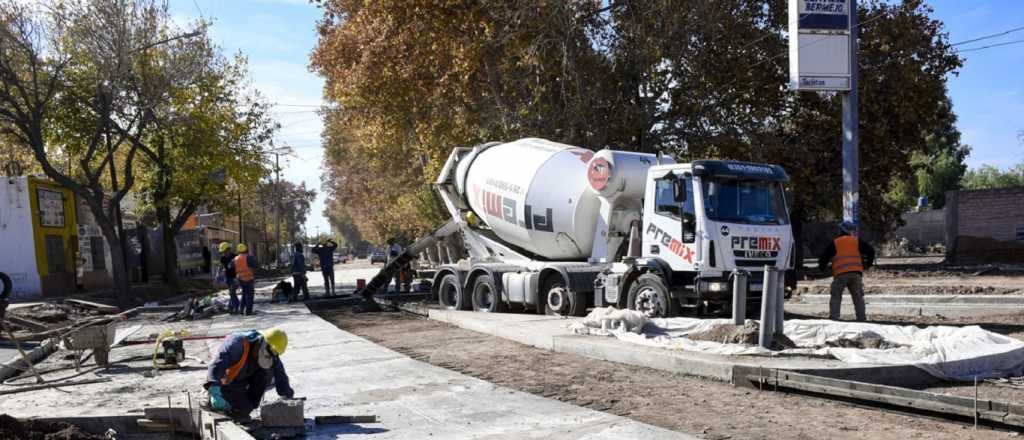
224, 247
276, 339
242, 247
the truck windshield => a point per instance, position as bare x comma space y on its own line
744, 201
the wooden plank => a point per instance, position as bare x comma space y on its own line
102, 308
338, 420
154, 425
30, 324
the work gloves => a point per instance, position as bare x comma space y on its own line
217, 401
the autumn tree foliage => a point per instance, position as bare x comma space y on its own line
411, 79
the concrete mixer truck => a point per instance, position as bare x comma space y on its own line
554, 229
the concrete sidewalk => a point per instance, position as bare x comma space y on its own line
550, 333
340, 373
950, 306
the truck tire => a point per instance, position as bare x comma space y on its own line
449, 295
649, 295
485, 295
560, 301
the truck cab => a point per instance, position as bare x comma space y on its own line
702, 223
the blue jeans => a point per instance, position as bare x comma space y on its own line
233, 292
248, 295
246, 394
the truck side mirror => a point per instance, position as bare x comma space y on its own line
678, 188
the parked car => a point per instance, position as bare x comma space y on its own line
341, 259
378, 257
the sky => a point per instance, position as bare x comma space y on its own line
278, 35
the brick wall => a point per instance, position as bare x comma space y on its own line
986, 225
923, 228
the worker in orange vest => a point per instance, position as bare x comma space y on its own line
849, 257
245, 267
247, 365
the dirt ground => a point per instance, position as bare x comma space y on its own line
698, 406
924, 276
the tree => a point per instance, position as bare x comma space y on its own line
344, 226
212, 128
939, 166
449, 74
990, 177
78, 79
692, 79
295, 201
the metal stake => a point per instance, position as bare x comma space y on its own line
191, 416
975, 402
739, 296
768, 309
170, 414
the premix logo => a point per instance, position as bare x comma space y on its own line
677, 247
756, 247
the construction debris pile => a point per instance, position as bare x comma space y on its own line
12, 428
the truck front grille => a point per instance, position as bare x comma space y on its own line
755, 263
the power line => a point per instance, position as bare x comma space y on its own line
986, 37
277, 104
991, 46
299, 122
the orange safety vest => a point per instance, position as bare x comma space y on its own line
847, 258
233, 370
242, 270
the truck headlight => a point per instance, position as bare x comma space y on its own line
715, 286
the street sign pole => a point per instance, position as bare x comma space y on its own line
851, 135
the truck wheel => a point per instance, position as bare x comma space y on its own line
448, 293
486, 297
562, 302
649, 295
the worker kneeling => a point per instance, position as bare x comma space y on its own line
247, 364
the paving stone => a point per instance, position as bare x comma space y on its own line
284, 413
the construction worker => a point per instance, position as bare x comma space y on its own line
226, 257
403, 277
245, 266
247, 364
325, 251
849, 257
299, 271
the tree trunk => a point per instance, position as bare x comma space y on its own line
170, 247
122, 288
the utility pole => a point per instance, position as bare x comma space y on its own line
851, 135
277, 210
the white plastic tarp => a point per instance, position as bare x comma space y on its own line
949, 353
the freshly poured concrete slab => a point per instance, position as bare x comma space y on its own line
551, 333
342, 374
